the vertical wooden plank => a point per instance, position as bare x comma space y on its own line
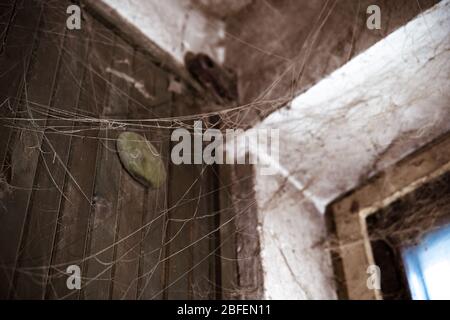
152, 264
119, 263
204, 250
203, 283
25, 145
182, 210
151, 269
98, 269
229, 280
75, 213
130, 211
102, 215
216, 241
100, 252
20, 21
192, 248
179, 254
38, 241
248, 259
76, 206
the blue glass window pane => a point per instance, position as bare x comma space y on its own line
428, 266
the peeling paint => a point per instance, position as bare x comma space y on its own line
138, 85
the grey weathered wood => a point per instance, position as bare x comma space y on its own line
24, 147
181, 208
129, 211
20, 21
203, 284
126, 262
130, 31
229, 279
191, 248
192, 268
98, 267
74, 203
38, 241
155, 82
106, 96
72, 229
179, 253
151, 282
250, 273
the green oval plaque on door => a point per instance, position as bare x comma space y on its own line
141, 159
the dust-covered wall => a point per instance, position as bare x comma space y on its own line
174, 25
367, 115
280, 48
168, 29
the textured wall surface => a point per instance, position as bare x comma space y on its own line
367, 115
176, 26
374, 110
280, 47
221, 8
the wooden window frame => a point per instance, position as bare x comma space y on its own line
351, 249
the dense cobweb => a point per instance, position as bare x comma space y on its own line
43, 120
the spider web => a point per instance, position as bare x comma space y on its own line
49, 135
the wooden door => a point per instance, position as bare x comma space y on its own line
65, 198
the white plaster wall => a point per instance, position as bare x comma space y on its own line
222, 8
367, 115
175, 26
